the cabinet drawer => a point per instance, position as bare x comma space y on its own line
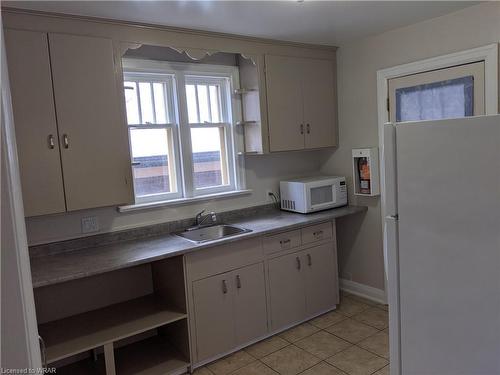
281, 241
223, 258
317, 233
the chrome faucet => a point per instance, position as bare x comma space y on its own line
200, 219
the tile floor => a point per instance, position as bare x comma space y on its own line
353, 340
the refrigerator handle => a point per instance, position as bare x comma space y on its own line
390, 175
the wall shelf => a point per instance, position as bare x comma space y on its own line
89, 330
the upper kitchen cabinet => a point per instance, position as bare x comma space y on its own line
72, 142
301, 103
95, 153
35, 120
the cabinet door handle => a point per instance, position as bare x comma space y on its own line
65, 141
224, 286
309, 260
285, 243
238, 282
301, 128
319, 233
50, 141
308, 127
298, 262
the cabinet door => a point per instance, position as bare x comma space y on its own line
287, 292
320, 268
213, 310
250, 312
94, 141
318, 85
35, 122
284, 103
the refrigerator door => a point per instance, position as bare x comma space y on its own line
448, 177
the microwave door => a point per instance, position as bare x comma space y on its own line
321, 197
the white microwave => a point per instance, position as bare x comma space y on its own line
313, 194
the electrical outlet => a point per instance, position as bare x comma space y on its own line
90, 224
269, 195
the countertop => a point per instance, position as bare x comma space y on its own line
76, 264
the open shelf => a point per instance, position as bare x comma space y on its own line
151, 356
78, 333
84, 367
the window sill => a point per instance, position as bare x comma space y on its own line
182, 201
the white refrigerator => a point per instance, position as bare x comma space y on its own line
442, 194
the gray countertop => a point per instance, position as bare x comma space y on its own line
76, 264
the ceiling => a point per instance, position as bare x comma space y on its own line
319, 22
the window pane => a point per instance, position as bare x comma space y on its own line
215, 103
435, 101
191, 103
209, 157
146, 103
160, 104
203, 103
131, 103
155, 173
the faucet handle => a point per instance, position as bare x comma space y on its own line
213, 216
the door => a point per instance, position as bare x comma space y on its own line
287, 293
284, 103
318, 85
320, 267
35, 122
213, 310
250, 312
448, 177
452, 92
95, 153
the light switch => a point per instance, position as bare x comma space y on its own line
90, 224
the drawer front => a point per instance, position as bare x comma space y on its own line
223, 258
316, 233
281, 241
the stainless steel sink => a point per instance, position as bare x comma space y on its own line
211, 233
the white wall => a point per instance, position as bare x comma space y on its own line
360, 239
263, 173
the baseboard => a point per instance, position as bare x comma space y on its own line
362, 290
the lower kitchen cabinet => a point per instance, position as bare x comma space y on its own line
229, 310
302, 284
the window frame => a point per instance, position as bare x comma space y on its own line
182, 128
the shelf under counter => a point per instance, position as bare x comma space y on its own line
89, 330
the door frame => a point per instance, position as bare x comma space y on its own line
488, 54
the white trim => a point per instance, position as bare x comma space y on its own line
183, 201
362, 290
15, 232
488, 54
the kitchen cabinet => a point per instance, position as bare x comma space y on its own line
35, 122
301, 103
229, 310
72, 144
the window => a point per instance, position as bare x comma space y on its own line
440, 94
182, 138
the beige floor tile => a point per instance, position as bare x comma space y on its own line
202, 371
299, 332
255, 368
357, 361
323, 344
352, 330
383, 371
378, 344
290, 360
230, 363
323, 368
374, 317
328, 319
266, 347
350, 307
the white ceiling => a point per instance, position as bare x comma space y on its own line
319, 22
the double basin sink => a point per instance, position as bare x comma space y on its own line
211, 232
